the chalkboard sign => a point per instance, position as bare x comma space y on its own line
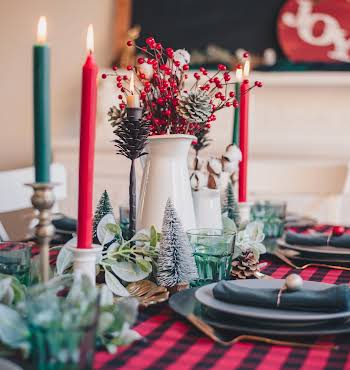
194, 24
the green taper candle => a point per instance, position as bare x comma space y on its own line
235, 136
41, 87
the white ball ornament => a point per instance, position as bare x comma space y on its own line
294, 282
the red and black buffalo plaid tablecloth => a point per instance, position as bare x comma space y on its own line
170, 342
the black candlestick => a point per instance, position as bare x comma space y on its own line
134, 116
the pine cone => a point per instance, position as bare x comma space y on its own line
195, 107
116, 116
245, 266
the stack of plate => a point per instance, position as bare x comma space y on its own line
257, 320
321, 254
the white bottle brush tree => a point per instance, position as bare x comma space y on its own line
176, 265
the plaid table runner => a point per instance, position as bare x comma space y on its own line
170, 342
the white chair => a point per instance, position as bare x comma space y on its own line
311, 188
14, 195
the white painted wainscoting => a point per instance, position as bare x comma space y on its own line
299, 133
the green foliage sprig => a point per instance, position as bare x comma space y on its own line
41, 306
121, 261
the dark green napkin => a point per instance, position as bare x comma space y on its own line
316, 240
333, 299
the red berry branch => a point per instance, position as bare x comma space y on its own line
168, 106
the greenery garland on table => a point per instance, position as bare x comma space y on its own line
20, 305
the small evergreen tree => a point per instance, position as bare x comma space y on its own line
103, 208
176, 263
231, 206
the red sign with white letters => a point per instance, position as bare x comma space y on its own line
315, 31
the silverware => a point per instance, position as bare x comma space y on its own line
147, 292
210, 332
278, 253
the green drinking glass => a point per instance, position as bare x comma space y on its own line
273, 216
63, 336
15, 260
212, 250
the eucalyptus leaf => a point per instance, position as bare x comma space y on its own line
14, 331
104, 235
141, 236
106, 296
105, 321
127, 335
112, 348
129, 271
7, 294
228, 225
114, 228
255, 231
65, 257
115, 285
154, 237
113, 247
144, 265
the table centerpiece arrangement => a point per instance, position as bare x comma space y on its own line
175, 112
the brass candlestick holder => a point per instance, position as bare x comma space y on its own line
43, 200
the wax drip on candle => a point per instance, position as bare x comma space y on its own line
42, 30
133, 100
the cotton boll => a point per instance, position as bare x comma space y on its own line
198, 180
198, 163
270, 57
214, 166
146, 69
195, 163
182, 56
229, 167
233, 153
213, 182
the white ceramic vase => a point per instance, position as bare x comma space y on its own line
207, 208
165, 175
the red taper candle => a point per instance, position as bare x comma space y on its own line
87, 145
243, 135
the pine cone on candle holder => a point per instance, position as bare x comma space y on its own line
116, 116
245, 266
195, 106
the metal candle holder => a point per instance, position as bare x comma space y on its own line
43, 200
134, 115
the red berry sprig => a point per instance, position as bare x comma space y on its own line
161, 93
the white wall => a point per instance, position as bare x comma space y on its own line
67, 25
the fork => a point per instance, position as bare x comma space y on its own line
210, 332
285, 259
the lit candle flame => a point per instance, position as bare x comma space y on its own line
132, 84
42, 30
239, 74
246, 69
90, 39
